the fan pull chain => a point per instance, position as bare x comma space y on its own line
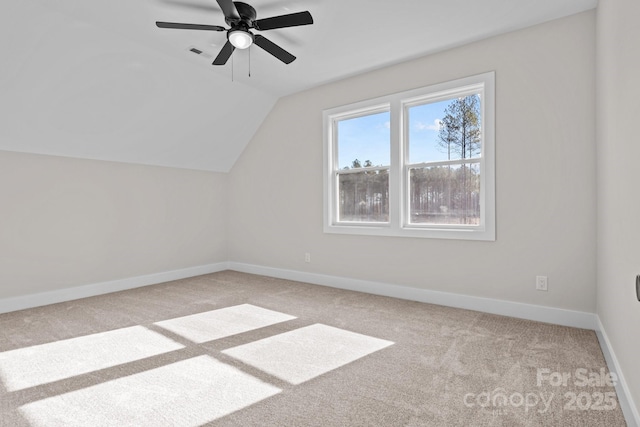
249, 62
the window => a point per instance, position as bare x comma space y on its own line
418, 163
363, 185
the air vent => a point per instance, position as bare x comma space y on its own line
201, 53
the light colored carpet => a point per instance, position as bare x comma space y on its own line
231, 349
300, 355
45, 363
186, 393
216, 324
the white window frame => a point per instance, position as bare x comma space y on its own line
397, 104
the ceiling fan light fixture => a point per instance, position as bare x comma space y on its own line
240, 39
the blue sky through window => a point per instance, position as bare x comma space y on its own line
364, 138
368, 137
424, 126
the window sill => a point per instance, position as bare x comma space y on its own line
457, 233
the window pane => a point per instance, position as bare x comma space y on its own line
445, 130
364, 141
363, 196
445, 194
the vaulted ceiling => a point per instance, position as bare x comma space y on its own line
97, 79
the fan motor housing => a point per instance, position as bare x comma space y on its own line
247, 15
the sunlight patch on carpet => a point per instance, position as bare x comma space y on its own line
188, 393
216, 324
45, 363
300, 355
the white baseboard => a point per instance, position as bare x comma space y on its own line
629, 409
68, 294
558, 316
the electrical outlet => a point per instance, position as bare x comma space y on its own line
307, 257
541, 283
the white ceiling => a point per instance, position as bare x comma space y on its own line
96, 79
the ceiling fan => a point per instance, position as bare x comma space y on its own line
241, 17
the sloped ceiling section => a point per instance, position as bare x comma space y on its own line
97, 79
71, 88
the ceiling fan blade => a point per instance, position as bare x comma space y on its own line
224, 54
179, 26
229, 9
274, 49
283, 21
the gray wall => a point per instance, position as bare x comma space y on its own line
546, 198
618, 193
69, 222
